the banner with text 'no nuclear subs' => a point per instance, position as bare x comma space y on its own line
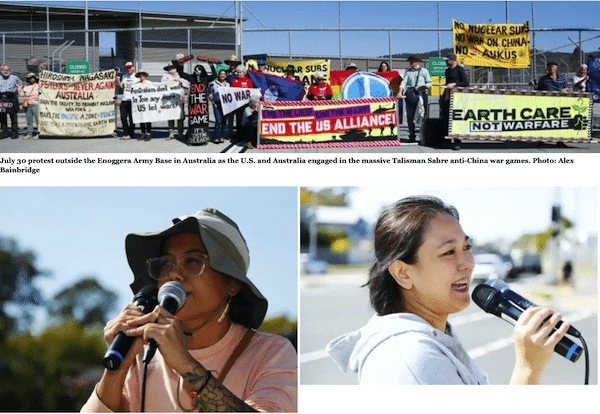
520, 115
492, 45
304, 70
77, 105
347, 122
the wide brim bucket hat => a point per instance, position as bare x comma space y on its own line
227, 253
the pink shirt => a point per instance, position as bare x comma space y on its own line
32, 92
264, 376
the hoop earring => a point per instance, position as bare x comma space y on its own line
222, 317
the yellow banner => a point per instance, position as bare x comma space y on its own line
540, 116
77, 105
304, 69
492, 45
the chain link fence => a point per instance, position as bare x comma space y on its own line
52, 41
569, 54
30, 51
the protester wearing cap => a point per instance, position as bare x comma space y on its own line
146, 127
262, 66
207, 253
455, 77
233, 63
174, 76
414, 88
320, 90
352, 66
126, 81
31, 95
289, 72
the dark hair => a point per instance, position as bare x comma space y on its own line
398, 236
381, 64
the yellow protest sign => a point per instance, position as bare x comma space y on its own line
492, 45
523, 115
304, 69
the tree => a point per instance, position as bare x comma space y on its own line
86, 302
335, 196
18, 269
54, 371
283, 326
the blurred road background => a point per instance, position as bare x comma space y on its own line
532, 263
335, 303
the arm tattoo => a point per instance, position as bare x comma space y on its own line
215, 397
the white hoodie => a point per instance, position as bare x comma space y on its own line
403, 348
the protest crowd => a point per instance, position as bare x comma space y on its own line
243, 101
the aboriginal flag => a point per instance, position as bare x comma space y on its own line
276, 88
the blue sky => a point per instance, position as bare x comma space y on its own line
422, 14
81, 231
492, 213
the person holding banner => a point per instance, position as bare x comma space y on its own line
552, 80
233, 63
125, 109
383, 67
174, 76
414, 88
31, 93
9, 85
455, 77
248, 132
262, 66
289, 72
220, 131
241, 81
146, 127
580, 80
320, 90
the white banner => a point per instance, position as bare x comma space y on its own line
234, 98
77, 105
156, 101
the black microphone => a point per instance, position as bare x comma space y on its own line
491, 300
145, 299
523, 303
171, 296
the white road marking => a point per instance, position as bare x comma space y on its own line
508, 341
461, 320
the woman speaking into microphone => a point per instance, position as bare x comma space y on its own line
209, 356
421, 275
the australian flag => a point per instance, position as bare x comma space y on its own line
276, 88
594, 73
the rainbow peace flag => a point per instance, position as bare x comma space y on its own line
338, 77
